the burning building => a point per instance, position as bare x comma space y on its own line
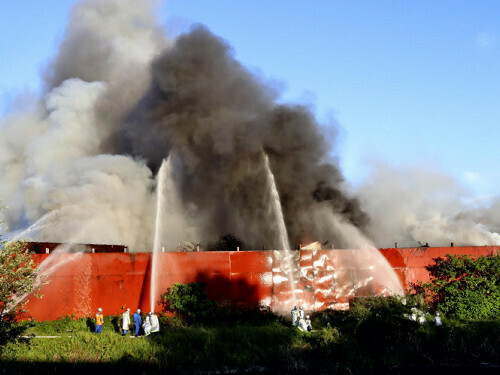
111, 278
84, 163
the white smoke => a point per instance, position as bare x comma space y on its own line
72, 127
417, 204
54, 157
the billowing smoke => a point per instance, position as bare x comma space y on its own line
120, 97
57, 173
219, 119
415, 205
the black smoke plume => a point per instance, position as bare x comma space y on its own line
219, 118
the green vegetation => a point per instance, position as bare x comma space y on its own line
191, 306
18, 278
464, 287
189, 302
375, 335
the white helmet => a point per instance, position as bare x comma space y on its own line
99, 309
128, 309
307, 316
138, 310
150, 313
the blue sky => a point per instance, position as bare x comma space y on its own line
407, 82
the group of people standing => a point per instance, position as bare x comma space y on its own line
300, 321
150, 325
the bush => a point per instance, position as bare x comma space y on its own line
18, 278
189, 302
464, 287
191, 305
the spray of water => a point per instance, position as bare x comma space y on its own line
39, 224
160, 207
62, 255
58, 258
278, 211
366, 261
282, 231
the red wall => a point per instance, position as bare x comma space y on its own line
409, 263
80, 283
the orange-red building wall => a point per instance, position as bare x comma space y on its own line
80, 283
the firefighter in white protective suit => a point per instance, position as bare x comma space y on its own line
437, 320
305, 324
155, 324
146, 326
125, 321
295, 316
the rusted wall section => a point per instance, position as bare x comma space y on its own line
80, 283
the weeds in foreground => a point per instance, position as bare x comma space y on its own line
380, 330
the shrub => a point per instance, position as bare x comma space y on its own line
189, 302
191, 305
18, 278
464, 287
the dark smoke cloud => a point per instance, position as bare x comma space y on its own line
218, 117
111, 41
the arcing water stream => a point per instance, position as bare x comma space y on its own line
40, 223
284, 243
163, 174
278, 211
60, 257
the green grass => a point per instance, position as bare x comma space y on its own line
343, 342
183, 349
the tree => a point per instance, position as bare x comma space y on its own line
18, 279
464, 287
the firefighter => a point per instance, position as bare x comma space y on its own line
308, 325
437, 320
155, 324
126, 321
137, 322
295, 316
302, 325
99, 321
146, 326
301, 312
